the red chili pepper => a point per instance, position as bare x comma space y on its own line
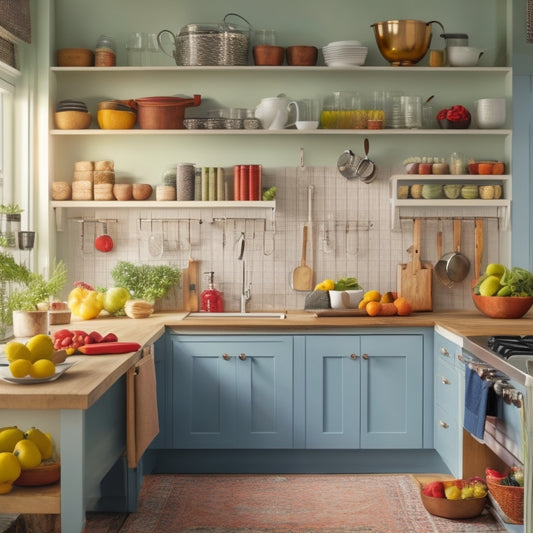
109, 348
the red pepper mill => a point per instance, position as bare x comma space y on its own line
211, 299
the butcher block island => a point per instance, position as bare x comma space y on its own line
86, 409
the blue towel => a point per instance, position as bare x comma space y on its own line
476, 402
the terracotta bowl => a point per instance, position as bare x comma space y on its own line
141, 191
268, 55
123, 191
454, 509
302, 56
503, 306
75, 57
44, 474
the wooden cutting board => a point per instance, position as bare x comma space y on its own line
338, 312
190, 286
414, 278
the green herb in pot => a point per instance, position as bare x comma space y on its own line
145, 282
347, 284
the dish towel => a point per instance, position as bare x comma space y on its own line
476, 402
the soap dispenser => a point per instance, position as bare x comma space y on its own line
211, 299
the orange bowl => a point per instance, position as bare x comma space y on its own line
454, 509
503, 306
44, 474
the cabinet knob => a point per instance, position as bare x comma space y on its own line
460, 357
443, 424
365, 356
353, 356
226, 357
445, 381
445, 352
242, 357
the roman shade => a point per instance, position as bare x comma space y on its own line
15, 26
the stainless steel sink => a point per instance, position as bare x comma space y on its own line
236, 314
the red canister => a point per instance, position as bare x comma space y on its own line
254, 182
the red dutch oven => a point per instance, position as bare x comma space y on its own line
164, 112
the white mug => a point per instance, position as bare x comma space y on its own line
490, 113
339, 299
306, 114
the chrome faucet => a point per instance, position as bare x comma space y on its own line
245, 291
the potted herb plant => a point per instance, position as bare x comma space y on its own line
11, 215
21, 292
146, 282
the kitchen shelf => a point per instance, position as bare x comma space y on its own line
503, 205
60, 206
385, 131
286, 68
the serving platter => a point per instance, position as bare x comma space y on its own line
61, 368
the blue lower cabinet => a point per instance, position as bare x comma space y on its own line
232, 391
364, 391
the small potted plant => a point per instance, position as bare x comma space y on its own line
10, 223
24, 291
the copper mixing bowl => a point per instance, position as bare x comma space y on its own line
403, 42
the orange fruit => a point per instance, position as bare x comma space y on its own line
403, 306
373, 308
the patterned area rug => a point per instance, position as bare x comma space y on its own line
300, 503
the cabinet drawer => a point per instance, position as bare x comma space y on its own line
447, 439
446, 387
446, 350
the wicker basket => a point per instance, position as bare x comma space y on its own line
510, 499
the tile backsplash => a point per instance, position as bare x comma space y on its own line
350, 229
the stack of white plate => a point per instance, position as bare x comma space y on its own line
344, 54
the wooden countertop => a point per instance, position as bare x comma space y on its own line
87, 381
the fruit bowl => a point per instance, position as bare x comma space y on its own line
445, 124
454, 509
44, 474
503, 306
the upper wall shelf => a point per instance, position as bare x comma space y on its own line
137, 131
284, 68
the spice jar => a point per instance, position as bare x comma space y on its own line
457, 163
104, 55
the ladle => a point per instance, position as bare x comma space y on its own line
458, 264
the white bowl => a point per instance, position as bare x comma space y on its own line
339, 299
463, 56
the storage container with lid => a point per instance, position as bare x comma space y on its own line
220, 44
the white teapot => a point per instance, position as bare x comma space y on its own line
273, 112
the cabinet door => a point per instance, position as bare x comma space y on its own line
332, 391
391, 391
203, 391
232, 392
264, 408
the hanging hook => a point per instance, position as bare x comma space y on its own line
302, 164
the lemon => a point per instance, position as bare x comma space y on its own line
43, 368
43, 441
16, 350
9, 468
6, 487
372, 296
41, 347
20, 368
28, 454
489, 286
9, 438
495, 269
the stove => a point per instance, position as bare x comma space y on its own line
510, 354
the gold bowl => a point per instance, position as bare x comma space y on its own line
402, 42
113, 119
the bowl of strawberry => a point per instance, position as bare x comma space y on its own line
456, 117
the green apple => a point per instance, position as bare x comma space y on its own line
115, 298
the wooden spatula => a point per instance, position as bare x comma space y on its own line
302, 276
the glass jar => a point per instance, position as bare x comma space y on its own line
104, 54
